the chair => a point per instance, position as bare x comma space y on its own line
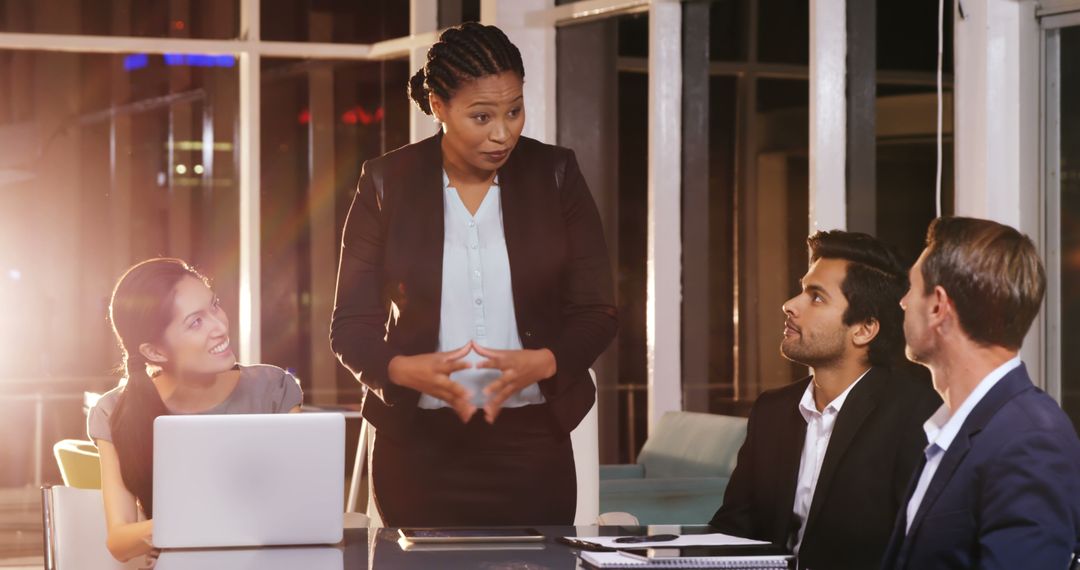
73, 524
586, 441
585, 438
617, 519
79, 463
681, 473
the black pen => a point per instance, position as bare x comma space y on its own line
582, 544
646, 538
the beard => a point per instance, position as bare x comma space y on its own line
816, 352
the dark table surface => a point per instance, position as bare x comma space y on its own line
380, 548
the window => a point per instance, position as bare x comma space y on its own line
744, 195
102, 164
320, 121
906, 124
454, 12
334, 21
202, 19
1063, 213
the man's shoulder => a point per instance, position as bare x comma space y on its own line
1031, 412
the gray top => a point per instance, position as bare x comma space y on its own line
262, 389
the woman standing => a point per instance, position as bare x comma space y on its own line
474, 292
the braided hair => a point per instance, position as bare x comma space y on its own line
463, 53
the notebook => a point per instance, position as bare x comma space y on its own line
622, 560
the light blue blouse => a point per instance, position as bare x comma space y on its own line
477, 296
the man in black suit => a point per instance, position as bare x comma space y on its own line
827, 460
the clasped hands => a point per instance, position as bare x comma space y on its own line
430, 374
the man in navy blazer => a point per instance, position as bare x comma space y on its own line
999, 486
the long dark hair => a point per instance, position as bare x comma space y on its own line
463, 53
140, 309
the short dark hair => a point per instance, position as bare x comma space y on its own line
876, 280
463, 53
991, 272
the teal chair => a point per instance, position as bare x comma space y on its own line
681, 472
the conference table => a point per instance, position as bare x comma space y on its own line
380, 548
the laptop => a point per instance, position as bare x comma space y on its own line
248, 480
280, 558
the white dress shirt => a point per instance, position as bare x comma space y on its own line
819, 428
477, 297
941, 429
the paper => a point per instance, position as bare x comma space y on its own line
618, 560
714, 539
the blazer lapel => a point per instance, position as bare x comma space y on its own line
425, 221
896, 539
515, 212
857, 408
788, 454
1012, 384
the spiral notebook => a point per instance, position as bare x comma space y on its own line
621, 560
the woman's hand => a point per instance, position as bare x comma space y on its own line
127, 537
430, 374
520, 369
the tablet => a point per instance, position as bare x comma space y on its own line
446, 535
407, 546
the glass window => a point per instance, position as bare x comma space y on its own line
907, 166
454, 12
632, 256
783, 31
1069, 168
634, 36
633, 210
906, 124
320, 121
337, 22
727, 30
101, 165
773, 216
203, 19
907, 34
603, 116
744, 201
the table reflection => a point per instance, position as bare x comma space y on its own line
377, 549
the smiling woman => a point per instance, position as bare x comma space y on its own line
177, 359
489, 249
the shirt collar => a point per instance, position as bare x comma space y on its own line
808, 407
942, 427
446, 180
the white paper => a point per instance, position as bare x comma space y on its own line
620, 560
715, 539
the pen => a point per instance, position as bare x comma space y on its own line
646, 538
582, 544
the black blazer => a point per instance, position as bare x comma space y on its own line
876, 444
392, 253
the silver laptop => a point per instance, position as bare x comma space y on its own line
248, 480
281, 558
